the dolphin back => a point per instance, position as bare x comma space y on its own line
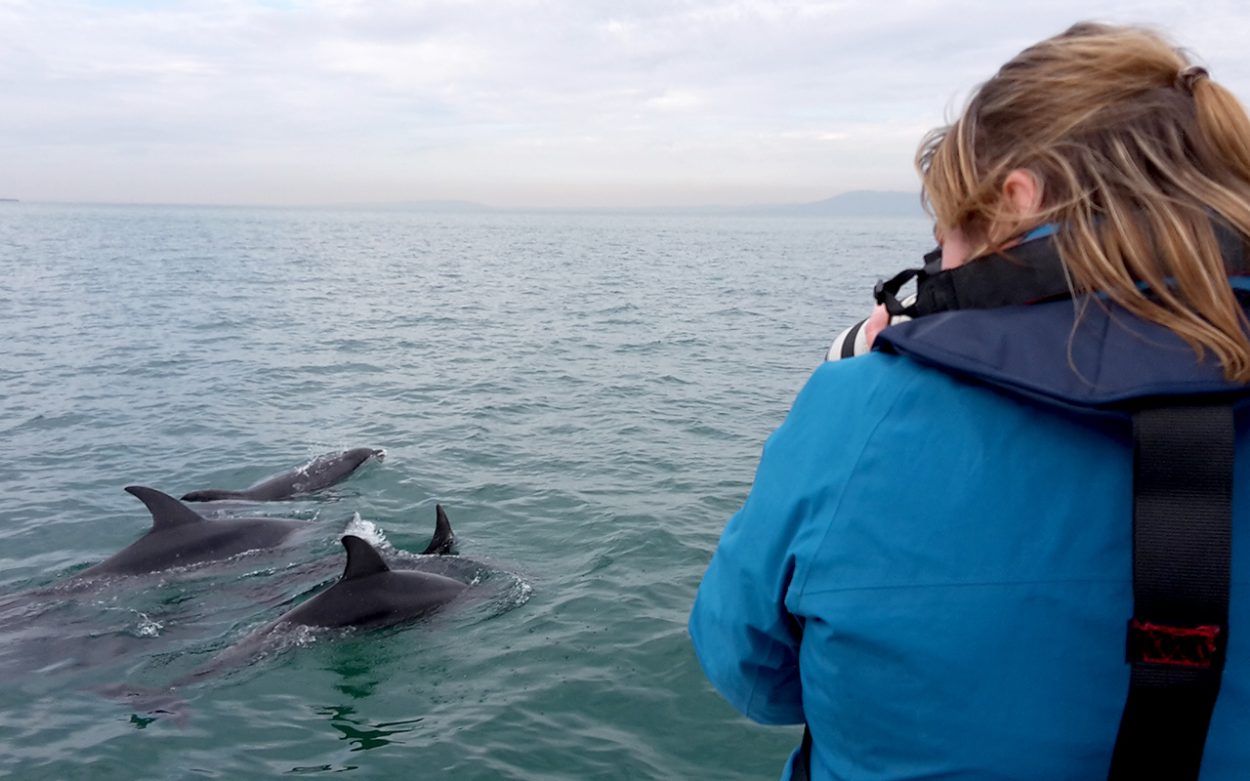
370, 594
213, 495
180, 537
324, 471
321, 472
167, 512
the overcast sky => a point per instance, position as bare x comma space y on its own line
512, 102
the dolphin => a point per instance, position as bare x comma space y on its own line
322, 472
371, 594
368, 594
180, 536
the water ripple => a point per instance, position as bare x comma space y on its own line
585, 394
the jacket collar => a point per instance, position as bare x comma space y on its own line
1085, 353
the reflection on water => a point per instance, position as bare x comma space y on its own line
314, 770
357, 673
360, 733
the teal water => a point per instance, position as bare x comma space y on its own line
586, 394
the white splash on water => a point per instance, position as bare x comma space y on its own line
521, 593
302, 636
147, 626
365, 530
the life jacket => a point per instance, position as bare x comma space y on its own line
1009, 321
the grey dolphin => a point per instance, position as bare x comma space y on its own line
180, 536
368, 594
322, 472
371, 594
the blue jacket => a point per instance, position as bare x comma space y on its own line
933, 566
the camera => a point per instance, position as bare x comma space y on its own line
1028, 272
853, 341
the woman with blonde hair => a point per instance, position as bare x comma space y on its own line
1006, 544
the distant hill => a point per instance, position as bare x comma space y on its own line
400, 206
858, 203
8, 200
435, 206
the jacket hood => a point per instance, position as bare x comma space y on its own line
1088, 353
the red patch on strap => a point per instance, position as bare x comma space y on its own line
1194, 646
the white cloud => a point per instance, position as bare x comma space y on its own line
677, 100
510, 101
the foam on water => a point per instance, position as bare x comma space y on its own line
366, 530
147, 627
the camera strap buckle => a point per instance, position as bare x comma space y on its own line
886, 292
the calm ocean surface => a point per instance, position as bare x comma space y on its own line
586, 395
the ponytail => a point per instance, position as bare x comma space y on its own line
1138, 154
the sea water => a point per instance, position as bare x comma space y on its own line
585, 393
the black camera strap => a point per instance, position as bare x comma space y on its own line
1027, 273
1182, 543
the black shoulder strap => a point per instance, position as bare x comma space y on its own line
802, 770
1182, 541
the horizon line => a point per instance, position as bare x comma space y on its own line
452, 203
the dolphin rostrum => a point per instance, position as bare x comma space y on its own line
180, 536
322, 472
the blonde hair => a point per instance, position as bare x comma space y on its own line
1138, 155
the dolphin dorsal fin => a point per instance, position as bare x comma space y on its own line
444, 538
363, 559
167, 512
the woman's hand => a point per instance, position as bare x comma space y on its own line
876, 323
